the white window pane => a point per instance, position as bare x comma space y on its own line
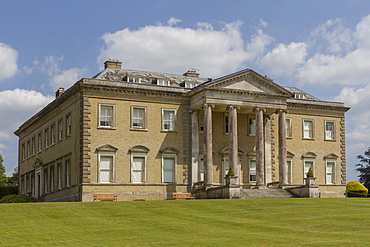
105, 176
168, 163
105, 162
168, 176
137, 176
201, 169
168, 169
138, 163
226, 165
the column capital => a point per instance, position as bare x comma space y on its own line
230, 107
269, 116
208, 105
258, 109
280, 111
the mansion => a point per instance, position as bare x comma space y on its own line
146, 135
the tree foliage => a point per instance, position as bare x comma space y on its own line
3, 178
363, 167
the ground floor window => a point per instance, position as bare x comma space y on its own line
330, 172
106, 169
201, 169
252, 170
138, 169
168, 169
289, 171
307, 166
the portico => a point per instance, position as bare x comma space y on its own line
249, 98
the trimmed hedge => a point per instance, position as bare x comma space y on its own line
8, 190
17, 199
356, 189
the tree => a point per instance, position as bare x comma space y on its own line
364, 168
13, 180
3, 178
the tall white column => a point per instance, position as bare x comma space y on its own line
260, 149
233, 144
208, 149
282, 149
268, 158
194, 147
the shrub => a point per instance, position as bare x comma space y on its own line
231, 172
17, 199
310, 173
356, 189
8, 190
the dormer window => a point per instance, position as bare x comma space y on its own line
189, 85
299, 96
163, 82
133, 79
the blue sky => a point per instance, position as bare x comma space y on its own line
321, 47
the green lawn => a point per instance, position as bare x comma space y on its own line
257, 222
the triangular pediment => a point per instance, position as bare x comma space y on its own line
248, 81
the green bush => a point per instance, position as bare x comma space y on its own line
231, 172
17, 199
356, 189
310, 173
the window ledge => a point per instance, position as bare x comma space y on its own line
330, 140
308, 139
168, 131
138, 129
106, 128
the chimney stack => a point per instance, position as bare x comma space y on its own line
59, 92
191, 73
113, 64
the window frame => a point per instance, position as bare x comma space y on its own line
143, 170
60, 130
201, 168
226, 122
333, 133
145, 118
23, 152
39, 142
33, 146
163, 82
173, 121
60, 175
46, 181
174, 170
46, 138
311, 130
333, 173
289, 132
252, 160
113, 117
252, 128
52, 179
112, 170
68, 172
133, 79
312, 161
68, 125
189, 85
52, 135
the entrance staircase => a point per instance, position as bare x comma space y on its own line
264, 193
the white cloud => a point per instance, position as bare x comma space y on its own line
173, 49
337, 37
16, 107
362, 33
284, 59
57, 77
66, 78
8, 61
173, 21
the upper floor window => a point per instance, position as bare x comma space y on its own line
201, 122
46, 138
288, 126
138, 117
60, 130
68, 125
28, 149
329, 130
39, 142
133, 79
308, 127
168, 119
33, 144
23, 152
106, 116
52, 130
252, 126
163, 82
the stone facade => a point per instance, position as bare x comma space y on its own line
145, 135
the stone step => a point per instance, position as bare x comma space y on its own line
264, 193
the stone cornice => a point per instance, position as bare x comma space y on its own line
317, 105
